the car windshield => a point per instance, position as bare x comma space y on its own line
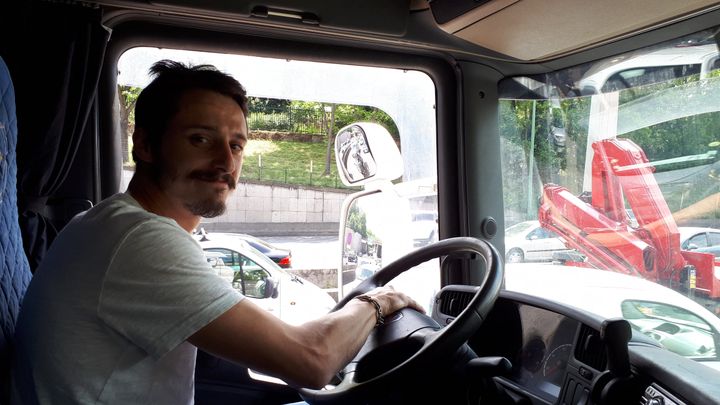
517, 229
636, 168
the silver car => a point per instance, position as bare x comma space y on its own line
528, 241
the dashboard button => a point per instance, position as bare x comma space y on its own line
585, 373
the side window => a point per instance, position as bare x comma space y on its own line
221, 260
538, 233
229, 257
289, 176
248, 277
252, 278
551, 234
698, 240
714, 238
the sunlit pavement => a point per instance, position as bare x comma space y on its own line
310, 252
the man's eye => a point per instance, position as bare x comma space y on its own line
199, 139
237, 147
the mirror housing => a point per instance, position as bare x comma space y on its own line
269, 289
365, 152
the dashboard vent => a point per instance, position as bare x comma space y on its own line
590, 349
453, 302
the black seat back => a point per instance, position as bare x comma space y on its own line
14, 269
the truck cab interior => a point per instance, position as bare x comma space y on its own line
501, 129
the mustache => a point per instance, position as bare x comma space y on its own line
213, 175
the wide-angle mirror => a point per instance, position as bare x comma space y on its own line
389, 218
677, 329
366, 152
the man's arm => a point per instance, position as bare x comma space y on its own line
708, 206
308, 355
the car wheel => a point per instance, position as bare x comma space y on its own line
515, 255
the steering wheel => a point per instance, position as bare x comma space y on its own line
408, 339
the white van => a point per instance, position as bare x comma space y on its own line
644, 68
287, 296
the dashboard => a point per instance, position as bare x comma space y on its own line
545, 351
562, 355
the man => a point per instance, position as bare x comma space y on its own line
123, 298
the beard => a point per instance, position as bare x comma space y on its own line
210, 207
199, 204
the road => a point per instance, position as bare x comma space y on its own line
309, 252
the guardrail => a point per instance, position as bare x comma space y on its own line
326, 279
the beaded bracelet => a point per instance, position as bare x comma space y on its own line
378, 310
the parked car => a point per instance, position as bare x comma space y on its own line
528, 241
694, 238
287, 296
673, 320
283, 257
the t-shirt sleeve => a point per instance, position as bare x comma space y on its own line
159, 289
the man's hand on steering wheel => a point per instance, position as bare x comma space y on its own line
410, 341
392, 301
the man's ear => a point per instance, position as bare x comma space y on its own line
141, 146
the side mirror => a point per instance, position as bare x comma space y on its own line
366, 152
269, 289
692, 246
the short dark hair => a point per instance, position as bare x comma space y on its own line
158, 102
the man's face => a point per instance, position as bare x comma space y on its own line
201, 153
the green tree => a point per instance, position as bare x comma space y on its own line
128, 96
357, 221
268, 105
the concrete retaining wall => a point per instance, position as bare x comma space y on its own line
279, 209
268, 209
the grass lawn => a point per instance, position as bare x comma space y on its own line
289, 162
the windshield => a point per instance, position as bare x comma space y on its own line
619, 158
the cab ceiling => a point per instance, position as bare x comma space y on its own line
540, 29
510, 30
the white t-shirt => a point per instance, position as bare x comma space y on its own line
108, 312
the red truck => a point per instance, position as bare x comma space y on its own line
599, 227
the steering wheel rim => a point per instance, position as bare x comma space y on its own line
442, 342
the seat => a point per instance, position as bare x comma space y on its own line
14, 269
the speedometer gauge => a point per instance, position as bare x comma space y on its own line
557, 360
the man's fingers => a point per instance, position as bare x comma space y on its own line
414, 305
